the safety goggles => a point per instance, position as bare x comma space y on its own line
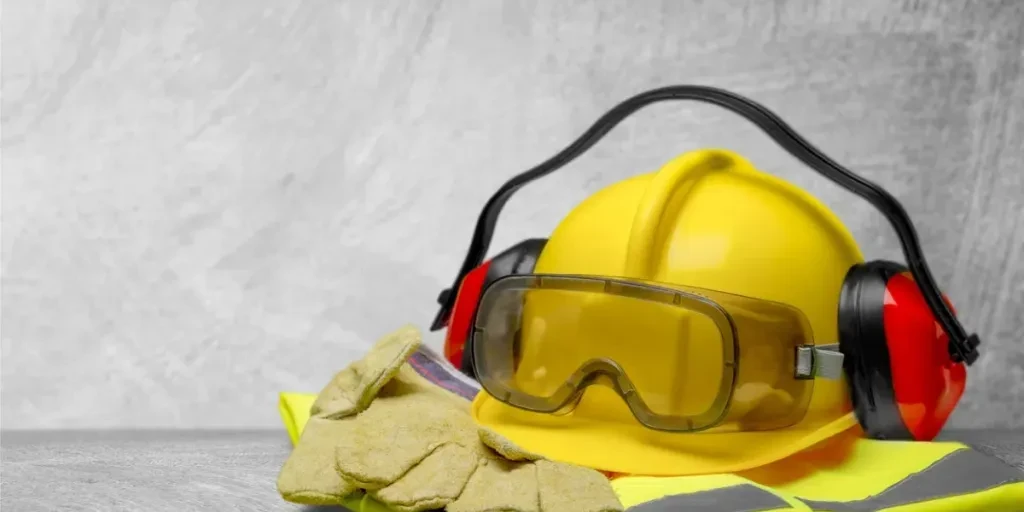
683, 359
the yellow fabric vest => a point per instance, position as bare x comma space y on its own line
842, 475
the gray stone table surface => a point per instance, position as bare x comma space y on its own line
203, 470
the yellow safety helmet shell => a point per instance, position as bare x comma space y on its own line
707, 219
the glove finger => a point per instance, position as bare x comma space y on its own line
385, 358
499, 484
504, 447
352, 389
309, 476
567, 487
433, 483
392, 436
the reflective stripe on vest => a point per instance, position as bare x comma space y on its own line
959, 473
736, 498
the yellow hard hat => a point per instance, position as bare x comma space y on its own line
724, 252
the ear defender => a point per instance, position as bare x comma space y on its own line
518, 259
903, 382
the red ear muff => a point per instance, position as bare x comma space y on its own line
927, 383
518, 259
903, 383
461, 320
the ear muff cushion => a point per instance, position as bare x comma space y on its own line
518, 259
463, 310
862, 340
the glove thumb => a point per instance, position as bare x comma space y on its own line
352, 389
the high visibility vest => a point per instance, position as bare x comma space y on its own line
842, 475
865, 476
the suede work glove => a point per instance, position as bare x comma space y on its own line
381, 428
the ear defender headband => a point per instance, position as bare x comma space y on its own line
889, 346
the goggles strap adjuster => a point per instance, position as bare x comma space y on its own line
824, 361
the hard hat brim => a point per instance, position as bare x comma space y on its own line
633, 449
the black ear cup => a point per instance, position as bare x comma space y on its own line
518, 259
862, 340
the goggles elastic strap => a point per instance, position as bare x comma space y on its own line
824, 361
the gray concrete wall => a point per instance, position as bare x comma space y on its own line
205, 203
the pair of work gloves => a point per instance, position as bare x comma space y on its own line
381, 428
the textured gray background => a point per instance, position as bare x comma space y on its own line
205, 203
